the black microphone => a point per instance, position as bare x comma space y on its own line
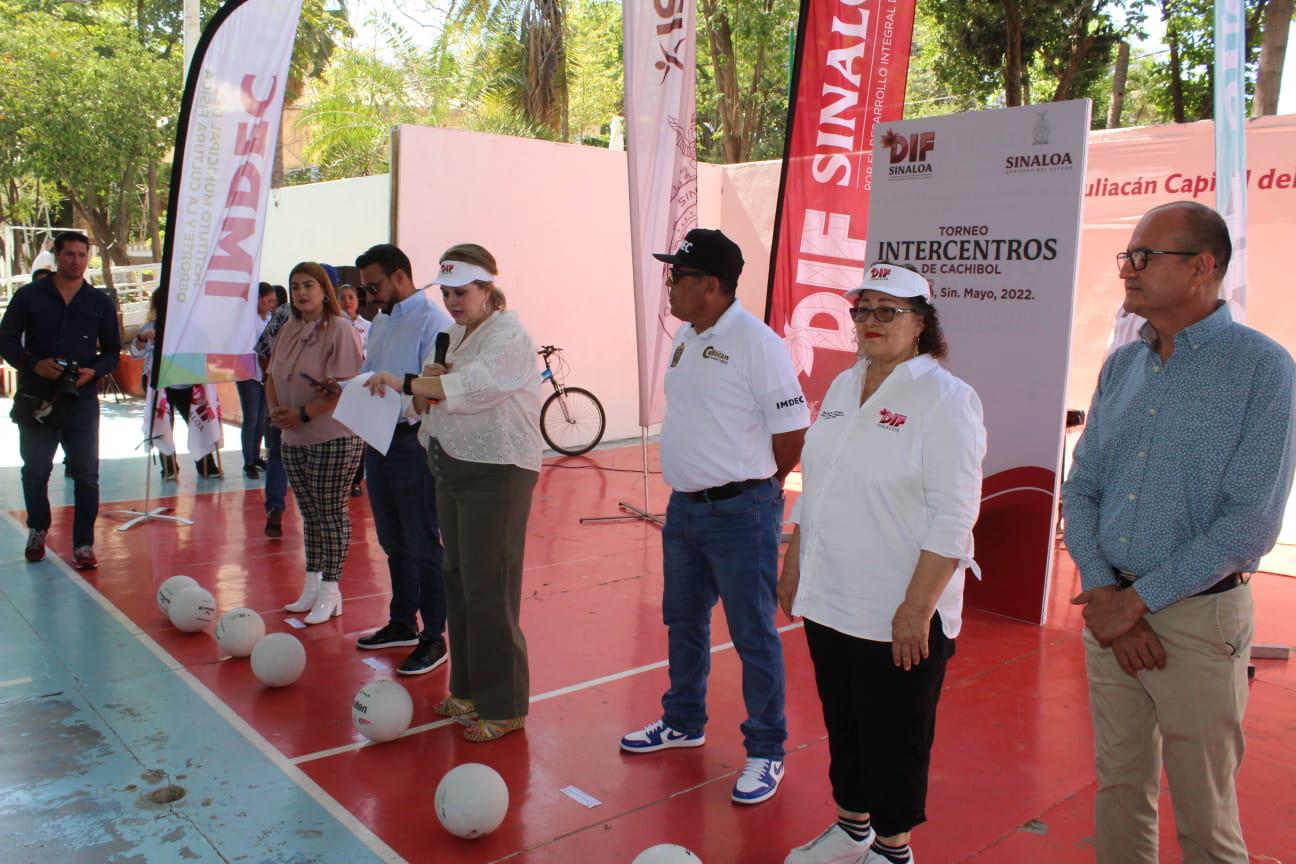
442, 346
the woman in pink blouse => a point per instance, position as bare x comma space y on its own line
315, 349
482, 425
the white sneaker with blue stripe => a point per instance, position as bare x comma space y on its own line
759, 781
658, 736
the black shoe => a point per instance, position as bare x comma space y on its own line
259, 463
250, 472
429, 654
355, 490
391, 635
274, 523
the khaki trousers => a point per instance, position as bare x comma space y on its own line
1187, 716
483, 510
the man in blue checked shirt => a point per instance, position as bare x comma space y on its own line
1177, 489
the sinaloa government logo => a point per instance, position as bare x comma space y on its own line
1039, 159
907, 154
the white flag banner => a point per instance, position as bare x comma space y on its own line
205, 432
661, 149
220, 185
1230, 145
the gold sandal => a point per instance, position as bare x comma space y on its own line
453, 706
481, 731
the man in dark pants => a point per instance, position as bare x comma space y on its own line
402, 493
49, 325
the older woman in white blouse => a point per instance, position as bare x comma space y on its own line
481, 419
892, 487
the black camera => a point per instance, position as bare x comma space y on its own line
66, 385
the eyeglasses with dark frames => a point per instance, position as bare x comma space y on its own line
372, 287
1138, 258
884, 314
674, 274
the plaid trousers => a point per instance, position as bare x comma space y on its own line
321, 476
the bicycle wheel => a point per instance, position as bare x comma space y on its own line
572, 421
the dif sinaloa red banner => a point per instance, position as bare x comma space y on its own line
220, 184
852, 62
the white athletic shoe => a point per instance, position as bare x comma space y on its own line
833, 846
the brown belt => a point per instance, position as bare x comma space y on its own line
1228, 583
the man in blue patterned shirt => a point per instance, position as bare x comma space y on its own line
1177, 489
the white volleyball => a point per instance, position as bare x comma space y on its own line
192, 609
278, 660
239, 630
382, 710
471, 800
666, 853
170, 588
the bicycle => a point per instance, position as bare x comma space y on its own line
576, 425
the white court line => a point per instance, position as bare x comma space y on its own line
268, 750
1017, 489
14, 682
551, 694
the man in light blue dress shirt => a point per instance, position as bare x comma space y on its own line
1177, 489
402, 493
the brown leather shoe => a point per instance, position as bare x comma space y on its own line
274, 524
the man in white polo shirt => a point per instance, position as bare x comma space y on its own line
735, 422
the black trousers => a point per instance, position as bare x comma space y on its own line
881, 722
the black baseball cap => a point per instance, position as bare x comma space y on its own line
708, 250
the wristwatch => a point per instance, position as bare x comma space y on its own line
301, 412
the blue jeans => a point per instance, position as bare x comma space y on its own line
402, 496
276, 477
80, 439
726, 550
253, 402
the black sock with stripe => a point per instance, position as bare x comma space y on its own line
857, 829
895, 854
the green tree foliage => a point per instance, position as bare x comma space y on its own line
87, 107
1186, 72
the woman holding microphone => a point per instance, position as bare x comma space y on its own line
481, 420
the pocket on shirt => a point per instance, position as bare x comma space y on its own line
83, 328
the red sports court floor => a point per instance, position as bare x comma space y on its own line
1012, 779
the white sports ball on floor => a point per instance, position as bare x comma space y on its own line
471, 800
192, 609
382, 710
170, 588
239, 630
666, 853
278, 660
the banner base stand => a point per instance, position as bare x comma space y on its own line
155, 514
658, 519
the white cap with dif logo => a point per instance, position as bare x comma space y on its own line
894, 280
456, 274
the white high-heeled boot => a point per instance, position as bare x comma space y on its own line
328, 603
310, 589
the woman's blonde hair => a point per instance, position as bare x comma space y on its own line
320, 275
471, 253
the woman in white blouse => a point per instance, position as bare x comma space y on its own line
481, 420
892, 487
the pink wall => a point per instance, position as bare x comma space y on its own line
556, 217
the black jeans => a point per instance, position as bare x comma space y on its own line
80, 439
881, 723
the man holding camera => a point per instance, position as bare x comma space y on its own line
61, 335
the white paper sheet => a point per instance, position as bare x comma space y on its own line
371, 417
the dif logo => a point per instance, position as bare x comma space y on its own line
908, 153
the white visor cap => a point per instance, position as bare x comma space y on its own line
894, 280
456, 274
